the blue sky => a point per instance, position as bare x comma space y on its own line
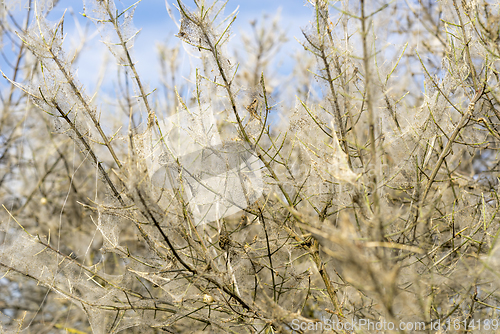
156, 26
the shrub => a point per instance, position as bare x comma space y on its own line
371, 198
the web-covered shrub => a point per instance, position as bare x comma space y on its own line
364, 190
